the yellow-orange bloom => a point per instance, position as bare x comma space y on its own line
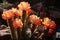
46, 22
33, 18
16, 11
17, 23
24, 5
7, 15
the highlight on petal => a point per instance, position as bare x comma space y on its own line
17, 23
24, 5
33, 18
46, 22
7, 15
18, 12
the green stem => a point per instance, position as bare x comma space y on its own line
13, 31
19, 34
25, 21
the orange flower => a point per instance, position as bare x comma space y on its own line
52, 25
7, 15
28, 11
24, 5
4, 16
17, 23
50, 31
13, 10
33, 18
38, 22
46, 22
18, 12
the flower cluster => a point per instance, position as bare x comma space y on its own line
46, 22
18, 12
49, 24
8, 14
20, 22
35, 20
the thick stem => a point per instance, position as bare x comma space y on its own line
25, 21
